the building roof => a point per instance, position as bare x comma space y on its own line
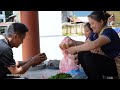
74, 19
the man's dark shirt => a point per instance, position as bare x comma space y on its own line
6, 58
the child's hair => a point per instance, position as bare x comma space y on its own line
88, 25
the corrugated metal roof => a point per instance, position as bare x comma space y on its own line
74, 19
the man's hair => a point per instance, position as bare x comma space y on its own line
18, 28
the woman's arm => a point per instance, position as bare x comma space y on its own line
77, 42
89, 45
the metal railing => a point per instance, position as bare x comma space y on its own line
70, 29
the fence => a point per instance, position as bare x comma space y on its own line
70, 29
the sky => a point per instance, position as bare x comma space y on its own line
82, 13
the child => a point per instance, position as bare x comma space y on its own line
68, 42
69, 63
87, 32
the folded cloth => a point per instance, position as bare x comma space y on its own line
53, 64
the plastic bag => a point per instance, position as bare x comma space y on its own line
66, 43
68, 63
78, 74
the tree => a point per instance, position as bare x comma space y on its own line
7, 14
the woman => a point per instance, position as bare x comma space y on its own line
97, 56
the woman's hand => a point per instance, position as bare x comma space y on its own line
98, 51
95, 51
71, 50
66, 43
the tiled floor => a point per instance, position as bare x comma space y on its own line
40, 74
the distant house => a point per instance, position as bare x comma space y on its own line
15, 17
11, 18
2, 16
83, 19
3, 26
75, 16
66, 14
74, 20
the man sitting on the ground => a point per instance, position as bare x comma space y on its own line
14, 36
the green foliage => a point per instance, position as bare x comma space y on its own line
61, 76
2, 29
8, 13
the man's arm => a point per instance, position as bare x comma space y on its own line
21, 69
21, 63
39, 58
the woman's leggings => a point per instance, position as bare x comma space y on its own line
97, 66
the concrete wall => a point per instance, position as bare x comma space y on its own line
50, 23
